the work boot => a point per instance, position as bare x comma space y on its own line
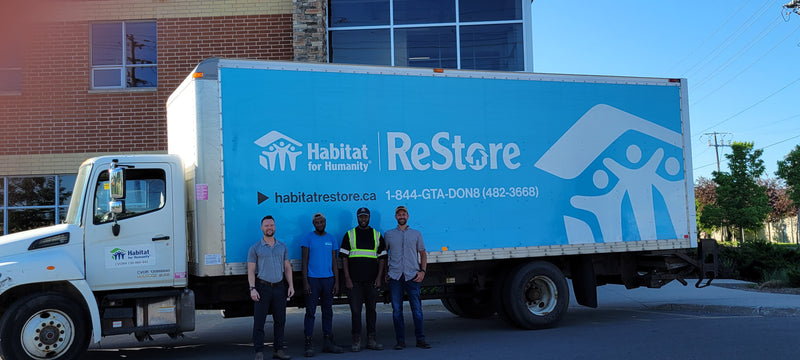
356, 343
372, 344
309, 347
329, 346
422, 344
259, 356
281, 354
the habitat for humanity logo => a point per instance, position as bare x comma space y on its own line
118, 254
625, 209
279, 149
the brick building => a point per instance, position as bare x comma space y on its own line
79, 78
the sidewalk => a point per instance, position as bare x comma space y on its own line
675, 296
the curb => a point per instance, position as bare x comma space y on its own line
729, 309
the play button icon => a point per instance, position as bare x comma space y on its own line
262, 198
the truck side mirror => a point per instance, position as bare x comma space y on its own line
115, 206
116, 184
116, 179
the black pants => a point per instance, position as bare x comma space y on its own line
272, 298
363, 292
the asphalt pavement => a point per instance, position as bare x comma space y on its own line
231, 337
714, 298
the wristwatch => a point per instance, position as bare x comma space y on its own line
252, 288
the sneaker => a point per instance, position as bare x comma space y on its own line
422, 344
280, 354
400, 345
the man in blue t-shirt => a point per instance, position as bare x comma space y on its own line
320, 282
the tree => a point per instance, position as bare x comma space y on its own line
789, 171
740, 202
705, 193
778, 199
779, 202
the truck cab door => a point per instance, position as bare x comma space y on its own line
141, 255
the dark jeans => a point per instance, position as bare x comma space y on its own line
273, 299
363, 293
411, 288
321, 288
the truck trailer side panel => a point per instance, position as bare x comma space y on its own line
490, 165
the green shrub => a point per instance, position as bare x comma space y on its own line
758, 261
793, 276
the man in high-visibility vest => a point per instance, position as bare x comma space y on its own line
363, 254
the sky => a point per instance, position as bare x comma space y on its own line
741, 60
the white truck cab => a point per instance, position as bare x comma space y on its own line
112, 267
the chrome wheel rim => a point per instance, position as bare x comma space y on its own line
47, 334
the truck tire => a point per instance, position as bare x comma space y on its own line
447, 302
44, 326
537, 295
471, 308
499, 297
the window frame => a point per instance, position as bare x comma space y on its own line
525, 21
132, 175
58, 207
123, 67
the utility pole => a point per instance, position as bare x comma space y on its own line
794, 5
719, 142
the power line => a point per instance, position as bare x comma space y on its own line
782, 141
762, 126
746, 68
752, 106
725, 42
741, 52
708, 38
704, 166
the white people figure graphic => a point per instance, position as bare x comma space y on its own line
671, 190
286, 151
638, 184
582, 144
270, 155
279, 148
609, 217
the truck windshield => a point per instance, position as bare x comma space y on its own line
75, 205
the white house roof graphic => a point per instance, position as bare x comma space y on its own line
592, 134
274, 136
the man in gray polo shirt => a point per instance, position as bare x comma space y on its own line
407, 263
267, 267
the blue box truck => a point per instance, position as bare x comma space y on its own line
517, 181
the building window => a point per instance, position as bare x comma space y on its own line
31, 202
124, 55
463, 34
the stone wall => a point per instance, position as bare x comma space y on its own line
310, 34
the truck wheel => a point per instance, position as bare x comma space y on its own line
471, 308
537, 295
499, 294
44, 326
448, 304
